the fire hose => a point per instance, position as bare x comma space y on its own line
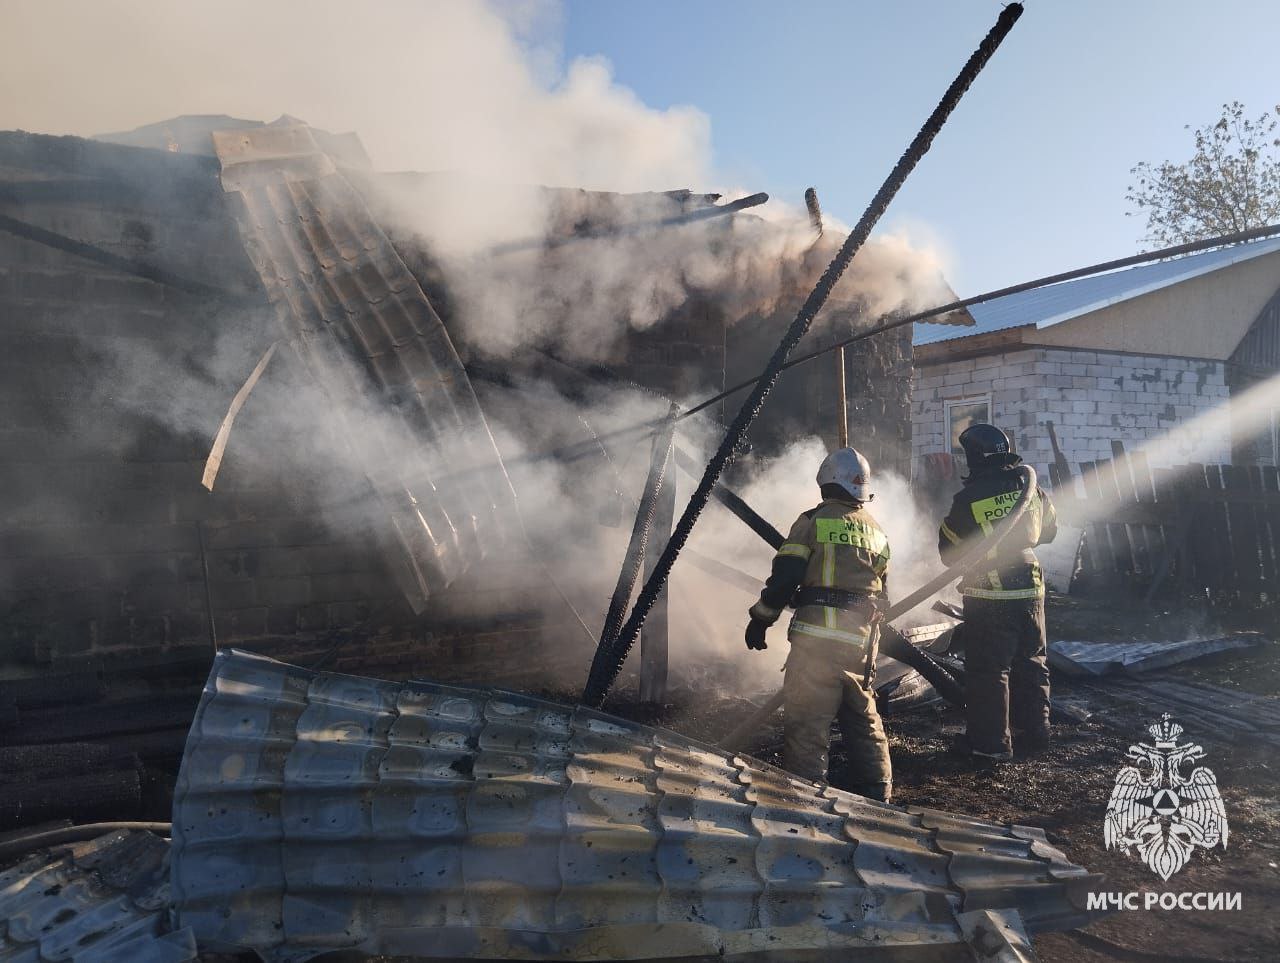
893, 644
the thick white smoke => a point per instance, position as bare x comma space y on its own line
475, 92
710, 622
460, 86
470, 89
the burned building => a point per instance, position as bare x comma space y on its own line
140, 286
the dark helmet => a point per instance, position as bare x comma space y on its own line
985, 446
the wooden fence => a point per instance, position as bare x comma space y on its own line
1197, 528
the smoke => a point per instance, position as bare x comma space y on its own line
475, 90
1195, 441
708, 624
460, 86
524, 149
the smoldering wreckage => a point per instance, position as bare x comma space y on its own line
321, 812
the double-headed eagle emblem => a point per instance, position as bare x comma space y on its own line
1159, 812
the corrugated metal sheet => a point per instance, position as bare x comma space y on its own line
103, 900
317, 812
1226, 717
372, 341
1100, 658
1060, 302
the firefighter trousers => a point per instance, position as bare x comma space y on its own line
1006, 672
824, 681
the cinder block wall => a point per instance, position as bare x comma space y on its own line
878, 382
682, 357
1091, 397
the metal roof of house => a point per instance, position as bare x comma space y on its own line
359, 319
1060, 302
317, 812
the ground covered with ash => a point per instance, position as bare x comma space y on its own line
1066, 790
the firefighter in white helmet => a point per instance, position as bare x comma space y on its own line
832, 570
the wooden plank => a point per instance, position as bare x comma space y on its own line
1145, 486
1113, 497
1202, 566
1271, 489
1244, 533
1100, 506
1139, 541
1060, 467
1266, 558
1097, 544
1175, 547
1234, 497
1164, 495
1134, 514
1183, 484
1143, 482
1217, 543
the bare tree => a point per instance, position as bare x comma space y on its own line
1231, 183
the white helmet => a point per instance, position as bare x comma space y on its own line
848, 469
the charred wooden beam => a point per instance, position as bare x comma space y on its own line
639, 227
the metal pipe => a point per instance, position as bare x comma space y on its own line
804, 319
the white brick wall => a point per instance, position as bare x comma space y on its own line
1091, 397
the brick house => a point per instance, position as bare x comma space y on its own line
1116, 357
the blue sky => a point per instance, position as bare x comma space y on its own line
1030, 174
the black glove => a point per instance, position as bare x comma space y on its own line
755, 634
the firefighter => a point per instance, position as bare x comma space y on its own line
832, 570
1006, 669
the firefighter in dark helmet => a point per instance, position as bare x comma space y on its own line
832, 569
1006, 669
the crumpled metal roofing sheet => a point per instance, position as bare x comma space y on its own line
1060, 302
106, 899
1219, 715
1100, 658
360, 321
317, 812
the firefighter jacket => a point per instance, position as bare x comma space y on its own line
985, 499
837, 546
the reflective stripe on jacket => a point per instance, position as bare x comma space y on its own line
977, 508
836, 545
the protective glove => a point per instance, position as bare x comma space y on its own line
755, 634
